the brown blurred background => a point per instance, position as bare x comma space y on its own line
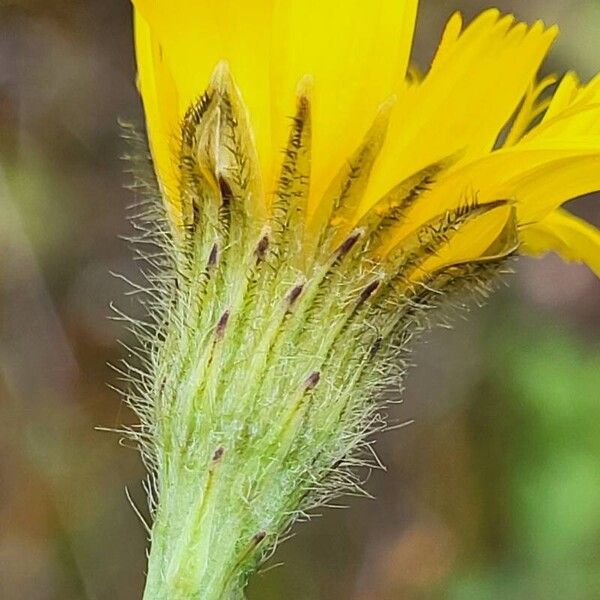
493, 492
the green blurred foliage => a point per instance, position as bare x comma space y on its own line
551, 482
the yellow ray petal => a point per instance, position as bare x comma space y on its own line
196, 36
162, 116
572, 93
530, 110
475, 84
556, 161
476, 240
566, 234
563, 96
357, 54
538, 180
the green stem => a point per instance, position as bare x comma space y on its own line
196, 551
172, 577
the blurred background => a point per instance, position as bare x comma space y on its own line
492, 493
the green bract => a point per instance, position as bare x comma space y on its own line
260, 371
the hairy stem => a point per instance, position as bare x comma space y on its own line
198, 547
271, 336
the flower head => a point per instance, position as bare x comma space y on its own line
320, 203
351, 61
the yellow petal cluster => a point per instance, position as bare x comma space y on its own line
480, 106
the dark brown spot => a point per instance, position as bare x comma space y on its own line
368, 291
375, 347
226, 191
261, 249
295, 294
222, 324
218, 455
258, 537
313, 380
348, 244
213, 257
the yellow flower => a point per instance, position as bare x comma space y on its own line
322, 198
354, 56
